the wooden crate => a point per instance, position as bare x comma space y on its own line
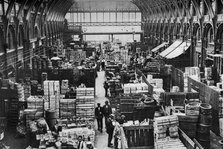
139, 137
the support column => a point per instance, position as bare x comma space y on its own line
203, 51
192, 50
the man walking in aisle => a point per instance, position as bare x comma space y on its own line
99, 116
106, 86
106, 111
110, 129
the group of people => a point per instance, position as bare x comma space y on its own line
113, 128
101, 112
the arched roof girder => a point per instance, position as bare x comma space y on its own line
209, 7
196, 7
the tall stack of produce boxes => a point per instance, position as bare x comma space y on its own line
67, 108
165, 124
35, 108
52, 95
85, 103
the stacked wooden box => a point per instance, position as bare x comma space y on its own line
67, 108
135, 88
27, 91
169, 143
163, 124
85, 103
51, 87
20, 90
64, 86
34, 103
52, 95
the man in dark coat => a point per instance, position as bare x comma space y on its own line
106, 86
110, 129
99, 116
106, 111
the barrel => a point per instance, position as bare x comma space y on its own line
51, 118
205, 109
203, 135
205, 119
188, 124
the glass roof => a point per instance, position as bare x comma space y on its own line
103, 5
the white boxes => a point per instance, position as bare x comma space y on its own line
51, 87
85, 103
135, 88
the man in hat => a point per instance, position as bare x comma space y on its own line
110, 129
81, 143
99, 116
107, 110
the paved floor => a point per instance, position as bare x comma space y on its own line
101, 138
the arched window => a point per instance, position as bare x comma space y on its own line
10, 38
210, 35
20, 37
36, 32
198, 34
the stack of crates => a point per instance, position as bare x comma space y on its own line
27, 90
85, 103
132, 88
20, 90
162, 125
52, 95
67, 108
64, 86
35, 103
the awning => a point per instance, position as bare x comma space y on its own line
171, 48
159, 46
179, 50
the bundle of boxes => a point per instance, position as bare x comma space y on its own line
164, 123
20, 90
155, 82
67, 108
64, 86
161, 125
27, 90
135, 88
52, 95
34, 103
85, 103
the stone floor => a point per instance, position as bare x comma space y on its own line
101, 138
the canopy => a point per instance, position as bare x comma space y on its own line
179, 50
159, 46
55, 58
171, 48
